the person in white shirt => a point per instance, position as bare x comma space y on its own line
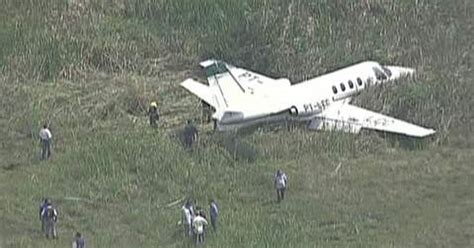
281, 181
198, 223
188, 215
45, 139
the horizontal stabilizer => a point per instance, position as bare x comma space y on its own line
200, 90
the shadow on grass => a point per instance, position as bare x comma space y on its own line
406, 142
236, 147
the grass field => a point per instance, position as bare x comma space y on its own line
90, 68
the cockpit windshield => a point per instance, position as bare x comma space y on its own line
387, 71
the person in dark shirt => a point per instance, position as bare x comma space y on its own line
206, 112
50, 217
214, 212
190, 134
43, 206
79, 241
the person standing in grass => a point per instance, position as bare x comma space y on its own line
43, 206
206, 112
281, 181
190, 134
214, 212
153, 114
188, 215
79, 241
45, 139
50, 216
202, 213
199, 223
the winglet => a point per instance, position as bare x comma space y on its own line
214, 67
207, 63
427, 132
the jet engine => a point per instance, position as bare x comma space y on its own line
294, 111
304, 110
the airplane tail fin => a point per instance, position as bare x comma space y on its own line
229, 90
224, 91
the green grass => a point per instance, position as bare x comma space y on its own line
91, 67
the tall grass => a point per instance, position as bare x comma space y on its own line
297, 39
89, 67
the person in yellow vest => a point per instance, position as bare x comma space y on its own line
153, 114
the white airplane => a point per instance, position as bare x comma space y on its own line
242, 98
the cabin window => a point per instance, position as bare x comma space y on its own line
379, 75
359, 81
351, 84
334, 89
343, 87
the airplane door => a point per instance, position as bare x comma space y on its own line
359, 84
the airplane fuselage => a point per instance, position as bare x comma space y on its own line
243, 98
310, 98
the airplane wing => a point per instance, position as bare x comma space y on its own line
356, 117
